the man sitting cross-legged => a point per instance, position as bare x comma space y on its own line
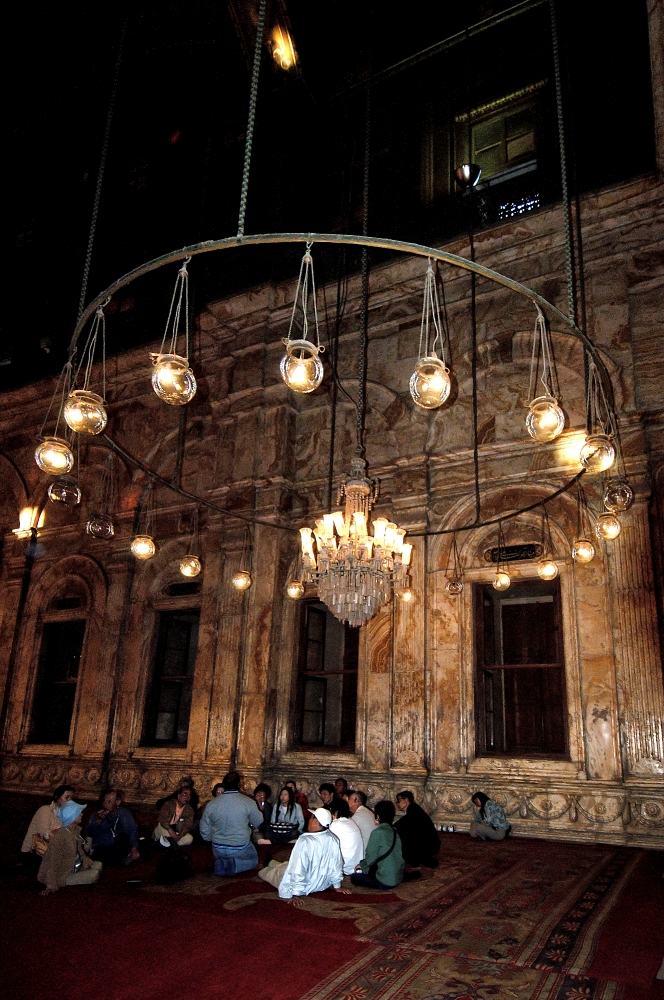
362, 817
315, 864
113, 831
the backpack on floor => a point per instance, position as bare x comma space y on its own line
173, 867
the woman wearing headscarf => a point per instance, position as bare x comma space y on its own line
490, 822
67, 861
44, 823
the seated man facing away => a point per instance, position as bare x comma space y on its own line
67, 861
383, 864
348, 835
315, 863
490, 822
113, 831
176, 818
363, 818
227, 822
419, 838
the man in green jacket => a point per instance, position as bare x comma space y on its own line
383, 864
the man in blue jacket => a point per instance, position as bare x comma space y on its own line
227, 823
113, 831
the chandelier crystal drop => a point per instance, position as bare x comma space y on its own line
100, 526
143, 547
583, 551
546, 420
190, 566
430, 383
241, 580
618, 496
64, 490
356, 572
84, 412
54, 456
301, 368
607, 526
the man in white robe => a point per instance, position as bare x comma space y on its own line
362, 817
349, 836
315, 862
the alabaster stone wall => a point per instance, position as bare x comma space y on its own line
251, 446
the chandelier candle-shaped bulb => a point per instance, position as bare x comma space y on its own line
545, 420
340, 523
406, 552
379, 526
583, 551
295, 590
598, 453
430, 383
190, 566
502, 580
547, 569
307, 541
399, 536
390, 528
172, 379
618, 496
54, 456
360, 522
64, 490
241, 580
143, 547
607, 526
85, 412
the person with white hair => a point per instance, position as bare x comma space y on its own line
315, 863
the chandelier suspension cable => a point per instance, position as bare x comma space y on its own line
473, 297
569, 258
251, 120
364, 311
542, 349
102, 167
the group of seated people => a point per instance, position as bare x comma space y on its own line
341, 837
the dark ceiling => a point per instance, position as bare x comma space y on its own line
177, 136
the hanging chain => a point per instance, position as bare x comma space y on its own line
431, 316
302, 294
569, 263
364, 309
253, 94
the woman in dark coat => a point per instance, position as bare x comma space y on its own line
419, 839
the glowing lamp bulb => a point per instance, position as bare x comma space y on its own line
172, 379
54, 456
607, 526
545, 420
598, 453
583, 551
406, 595
301, 368
241, 580
295, 589
502, 580
430, 383
454, 586
85, 412
143, 547
190, 566
547, 569
618, 496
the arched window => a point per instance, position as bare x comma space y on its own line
61, 645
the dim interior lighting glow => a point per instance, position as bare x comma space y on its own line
502, 580
545, 421
27, 521
598, 453
618, 496
283, 50
143, 547
172, 379
406, 595
85, 412
583, 551
54, 456
190, 565
241, 580
547, 569
295, 589
607, 526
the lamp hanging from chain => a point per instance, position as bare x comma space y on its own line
430, 382
618, 495
598, 452
301, 368
546, 420
546, 566
502, 580
355, 571
294, 584
53, 454
241, 579
583, 550
84, 410
172, 378
607, 526
190, 565
454, 571
100, 524
142, 545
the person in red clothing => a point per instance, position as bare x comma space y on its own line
300, 798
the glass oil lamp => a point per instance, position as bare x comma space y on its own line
598, 453
607, 526
100, 526
190, 566
430, 382
618, 496
583, 551
545, 420
301, 368
143, 547
54, 456
454, 586
64, 490
547, 569
241, 580
172, 379
295, 590
502, 580
84, 412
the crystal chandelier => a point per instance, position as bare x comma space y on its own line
355, 572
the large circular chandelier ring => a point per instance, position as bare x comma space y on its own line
415, 249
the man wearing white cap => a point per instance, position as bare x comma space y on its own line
315, 863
